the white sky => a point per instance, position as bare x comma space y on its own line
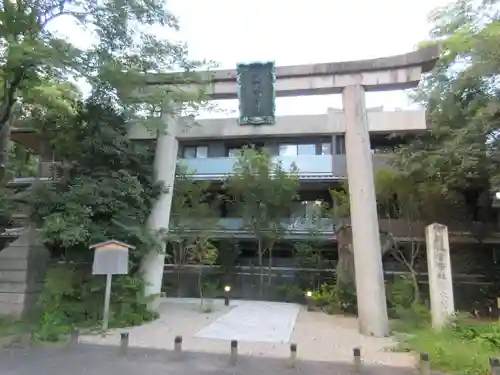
300, 32
303, 32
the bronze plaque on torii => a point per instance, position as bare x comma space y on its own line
256, 93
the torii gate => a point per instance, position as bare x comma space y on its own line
351, 79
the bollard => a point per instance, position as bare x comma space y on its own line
424, 365
124, 337
233, 357
293, 355
178, 347
226, 301
73, 338
356, 352
495, 366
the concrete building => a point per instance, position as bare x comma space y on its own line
314, 143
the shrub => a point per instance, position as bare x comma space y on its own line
72, 297
449, 351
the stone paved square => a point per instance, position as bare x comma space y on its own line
254, 322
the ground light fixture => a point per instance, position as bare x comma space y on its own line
227, 289
309, 300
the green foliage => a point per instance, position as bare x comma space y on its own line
486, 334
404, 306
400, 293
336, 298
462, 347
123, 51
290, 293
203, 253
327, 299
262, 191
453, 351
72, 297
461, 97
309, 255
193, 220
107, 192
341, 205
194, 215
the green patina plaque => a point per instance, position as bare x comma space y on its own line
256, 93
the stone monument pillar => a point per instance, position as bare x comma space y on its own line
165, 163
22, 271
370, 287
440, 279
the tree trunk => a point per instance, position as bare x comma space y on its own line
7, 107
416, 295
345, 267
4, 149
270, 265
200, 286
261, 267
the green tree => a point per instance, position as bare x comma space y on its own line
341, 212
194, 219
262, 192
108, 192
413, 204
309, 254
36, 61
203, 253
461, 97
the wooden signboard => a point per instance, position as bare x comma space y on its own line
110, 258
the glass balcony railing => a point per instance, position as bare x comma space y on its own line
309, 166
290, 226
402, 229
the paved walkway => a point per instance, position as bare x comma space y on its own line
254, 322
319, 337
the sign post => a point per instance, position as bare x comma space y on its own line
110, 258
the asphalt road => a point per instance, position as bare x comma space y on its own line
105, 360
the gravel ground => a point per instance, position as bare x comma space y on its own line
104, 360
319, 337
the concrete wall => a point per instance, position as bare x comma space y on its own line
291, 126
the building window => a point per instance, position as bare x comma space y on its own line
288, 150
340, 145
234, 152
306, 149
294, 150
326, 148
195, 152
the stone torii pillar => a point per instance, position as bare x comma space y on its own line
370, 288
153, 264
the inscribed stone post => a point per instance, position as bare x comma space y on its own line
440, 279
